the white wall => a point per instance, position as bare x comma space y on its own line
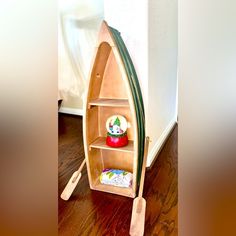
162, 68
149, 30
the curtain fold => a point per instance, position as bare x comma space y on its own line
77, 34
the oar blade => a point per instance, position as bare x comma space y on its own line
138, 217
68, 190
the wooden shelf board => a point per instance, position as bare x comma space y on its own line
127, 192
100, 143
109, 102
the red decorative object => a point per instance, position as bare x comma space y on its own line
117, 141
116, 126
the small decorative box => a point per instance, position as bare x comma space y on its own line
119, 178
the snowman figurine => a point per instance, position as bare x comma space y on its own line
116, 136
115, 128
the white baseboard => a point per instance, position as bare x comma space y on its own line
159, 143
72, 111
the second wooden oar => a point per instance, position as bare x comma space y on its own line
139, 204
68, 190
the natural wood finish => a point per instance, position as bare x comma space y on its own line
79, 170
139, 205
96, 121
108, 80
127, 192
100, 142
102, 159
109, 102
70, 187
92, 119
97, 73
112, 83
117, 160
72, 183
96, 162
140, 192
96, 213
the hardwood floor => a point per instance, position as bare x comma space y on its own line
95, 213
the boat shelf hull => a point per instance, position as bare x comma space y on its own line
112, 91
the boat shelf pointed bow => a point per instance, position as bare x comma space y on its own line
113, 89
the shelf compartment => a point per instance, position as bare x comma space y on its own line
100, 143
106, 102
127, 192
100, 159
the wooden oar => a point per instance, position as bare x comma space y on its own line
68, 190
139, 204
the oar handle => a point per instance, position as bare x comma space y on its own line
79, 170
140, 193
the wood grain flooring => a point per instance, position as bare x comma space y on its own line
94, 213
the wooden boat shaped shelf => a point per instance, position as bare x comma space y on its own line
113, 89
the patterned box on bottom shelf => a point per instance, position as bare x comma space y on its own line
119, 178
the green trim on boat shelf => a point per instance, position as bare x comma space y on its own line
136, 93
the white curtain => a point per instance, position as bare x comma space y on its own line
79, 22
